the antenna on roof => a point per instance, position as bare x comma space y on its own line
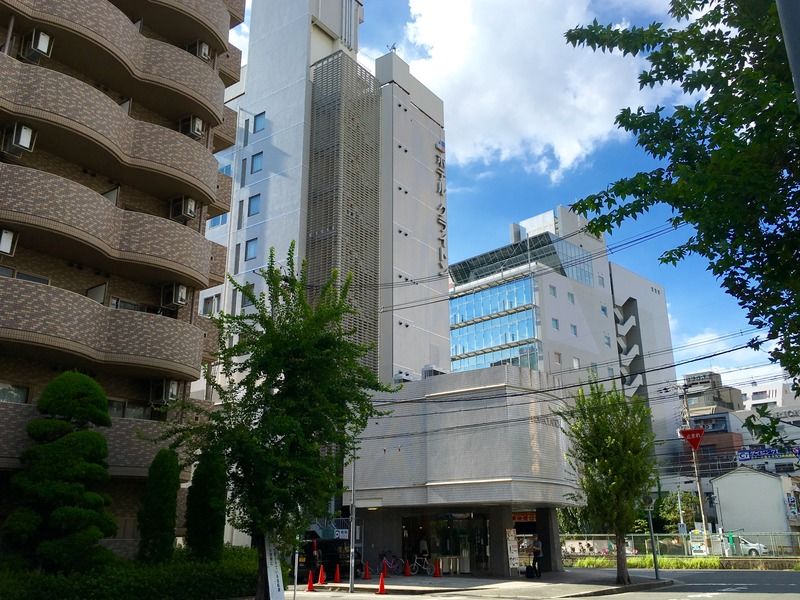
392, 48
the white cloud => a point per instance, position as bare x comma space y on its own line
240, 36
513, 89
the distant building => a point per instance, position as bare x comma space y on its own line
551, 301
348, 166
754, 501
706, 389
775, 394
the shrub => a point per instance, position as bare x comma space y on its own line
159, 505
234, 576
59, 518
205, 508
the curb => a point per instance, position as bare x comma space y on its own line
395, 591
624, 589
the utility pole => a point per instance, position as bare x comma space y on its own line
351, 587
696, 468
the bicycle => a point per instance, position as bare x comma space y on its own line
421, 563
394, 565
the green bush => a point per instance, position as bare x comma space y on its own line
159, 505
205, 507
646, 562
59, 517
235, 576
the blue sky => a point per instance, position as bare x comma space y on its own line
529, 125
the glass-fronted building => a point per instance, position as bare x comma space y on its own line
495, 320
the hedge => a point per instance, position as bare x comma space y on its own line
646, 562
181, 579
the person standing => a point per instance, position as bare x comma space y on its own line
536, 545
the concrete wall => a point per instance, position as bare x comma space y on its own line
414, 331
750, 501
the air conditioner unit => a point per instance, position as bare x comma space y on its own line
200, 49
192, 126
8, 242
163, 391
182, 209
173, 295
35, 46
18, 138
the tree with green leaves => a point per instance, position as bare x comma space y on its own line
294, 396
611, 451
157, 514
672, 516
205, 507
61, 516
728, 154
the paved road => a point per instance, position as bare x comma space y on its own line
723, 585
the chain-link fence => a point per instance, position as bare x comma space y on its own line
726, 544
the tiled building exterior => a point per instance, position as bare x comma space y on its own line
110, 112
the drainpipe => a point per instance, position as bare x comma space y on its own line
9, 34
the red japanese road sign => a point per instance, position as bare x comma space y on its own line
693, 436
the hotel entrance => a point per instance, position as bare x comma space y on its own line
460, 540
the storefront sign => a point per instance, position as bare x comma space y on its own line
745, 455
513, 551
274, 575
524, 517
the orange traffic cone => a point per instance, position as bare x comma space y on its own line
381, 588
321, 579
407, 569
310, 587
337, 578
367, 574
436, 571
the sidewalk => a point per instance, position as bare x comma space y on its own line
573, 583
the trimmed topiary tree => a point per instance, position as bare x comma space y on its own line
205, 507
61, 516
159, 505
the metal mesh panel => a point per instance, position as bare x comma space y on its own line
344, 187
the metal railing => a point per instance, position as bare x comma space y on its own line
735, 543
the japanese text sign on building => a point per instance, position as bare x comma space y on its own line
693, 436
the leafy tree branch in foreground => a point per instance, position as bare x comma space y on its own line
294, 396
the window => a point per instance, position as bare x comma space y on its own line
576, 362
116, 408
604, 310
6, 272
250, 249
573, 329
226, 170
13, 393
571, 297
33, 278
607, 340
121, 304
555, 323
218, 221
245, 300
254, 205
593, 369
601, 281
610, 371
557, 358
257, 163
259, 122
553, 291
211, 305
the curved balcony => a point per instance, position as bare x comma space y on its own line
170, 79
222, 202
89, 229
225, 134
58, 321
99, 134
230, 65
236, 8
207, 20
130, 451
